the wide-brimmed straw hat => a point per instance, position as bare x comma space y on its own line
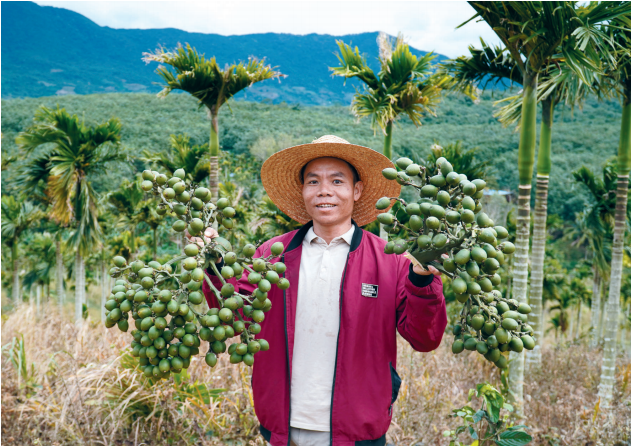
281, 176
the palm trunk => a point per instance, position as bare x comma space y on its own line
595, 307
579, 320
526, 153
602, 310
606, 385
80, 287
214, 152
104, 284
534, 357
15, 292
388, 141
59, 274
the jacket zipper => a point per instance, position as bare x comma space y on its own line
333, 387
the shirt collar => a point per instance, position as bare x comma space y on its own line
347, 236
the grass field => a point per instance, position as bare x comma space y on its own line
66, 386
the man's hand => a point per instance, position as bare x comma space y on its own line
418, 269
209, 234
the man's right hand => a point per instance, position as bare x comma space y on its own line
209, 234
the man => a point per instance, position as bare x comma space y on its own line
329, 377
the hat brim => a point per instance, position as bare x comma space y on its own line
281, 178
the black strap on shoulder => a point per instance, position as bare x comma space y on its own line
357, 236
299, 236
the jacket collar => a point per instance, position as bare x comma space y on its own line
298, 237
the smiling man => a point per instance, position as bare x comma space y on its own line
329, 377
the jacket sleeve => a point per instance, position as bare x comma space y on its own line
421, 311
241, 285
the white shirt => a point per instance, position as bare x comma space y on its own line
316, 329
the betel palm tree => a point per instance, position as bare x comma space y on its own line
572, 292
404, 85
37, 191
560, 85
16, 218
537, 34
41, 256
210, 85
589, 233
618, 78
599, 220
182, 155
71, 155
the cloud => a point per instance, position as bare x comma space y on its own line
429, 26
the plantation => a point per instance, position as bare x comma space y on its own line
583, 137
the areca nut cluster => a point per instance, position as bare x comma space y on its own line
448, 229
162, 302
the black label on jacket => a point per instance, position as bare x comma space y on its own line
369, 290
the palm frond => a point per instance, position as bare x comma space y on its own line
17, 217
405, 84
559, 84
352, 64
204, 79
484, 66
534, 33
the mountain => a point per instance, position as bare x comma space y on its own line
53, 51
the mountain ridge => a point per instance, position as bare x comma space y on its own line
54, 51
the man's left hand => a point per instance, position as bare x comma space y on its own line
418, 269
422, 272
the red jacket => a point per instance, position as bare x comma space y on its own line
365, 383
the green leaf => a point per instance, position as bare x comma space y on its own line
514, 438
479, 416
473, 433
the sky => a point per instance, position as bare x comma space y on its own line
426, 25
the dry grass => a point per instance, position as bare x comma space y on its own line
76, 387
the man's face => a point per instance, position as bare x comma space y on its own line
329, 192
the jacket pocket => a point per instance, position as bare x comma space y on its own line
396, 382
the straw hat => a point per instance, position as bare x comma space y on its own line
281, 176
